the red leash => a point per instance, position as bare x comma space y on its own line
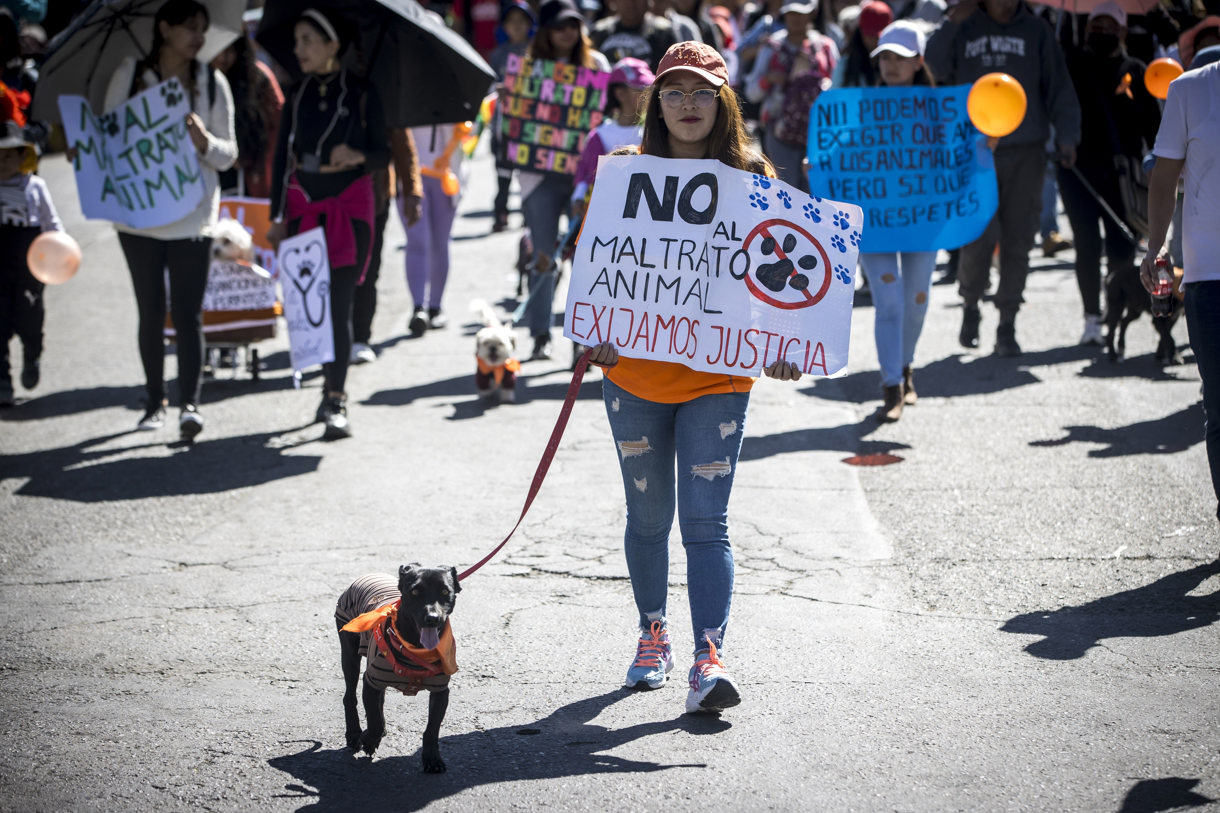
548, 454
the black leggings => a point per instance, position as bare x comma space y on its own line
366, 293
342, 300
1088, 219
188, 261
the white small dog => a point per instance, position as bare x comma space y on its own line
231, 242
496, 356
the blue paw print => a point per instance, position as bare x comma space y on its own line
854, 237
759, 202
842, 221
816, 198
784, 198
812, 212
762, 181
838, 243
842, 274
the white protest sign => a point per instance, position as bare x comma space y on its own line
715, 268
305, 276
237, 287
135, 165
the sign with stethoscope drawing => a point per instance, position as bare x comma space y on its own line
305, 281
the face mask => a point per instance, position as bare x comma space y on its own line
1102, 44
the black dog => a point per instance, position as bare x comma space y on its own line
403, 629
1126, 299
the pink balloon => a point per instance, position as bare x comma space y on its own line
54, 257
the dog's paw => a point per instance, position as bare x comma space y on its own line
369, 742
433, 762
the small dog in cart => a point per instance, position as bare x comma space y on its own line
496, 359
231, 242
402, 628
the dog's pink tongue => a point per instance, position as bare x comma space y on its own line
429, 638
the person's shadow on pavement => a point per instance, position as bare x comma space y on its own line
563, 744
1164, 607
1167, 435
96, 470
1155, 795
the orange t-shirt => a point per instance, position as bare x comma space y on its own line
667, 382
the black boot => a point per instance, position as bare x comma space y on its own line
891, 410
909, 396
969, 337
1006, 340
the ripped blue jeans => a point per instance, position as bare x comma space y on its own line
679, 457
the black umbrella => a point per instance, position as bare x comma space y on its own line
82, 58
425, 72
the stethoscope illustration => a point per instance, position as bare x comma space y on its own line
305, 266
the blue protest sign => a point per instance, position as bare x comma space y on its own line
909, 157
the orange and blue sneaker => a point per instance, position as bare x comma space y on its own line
653, 658
711, 687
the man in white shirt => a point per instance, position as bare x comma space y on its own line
1189, 142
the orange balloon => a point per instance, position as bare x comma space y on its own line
996, 104
54, 257
1159, 74
450, 184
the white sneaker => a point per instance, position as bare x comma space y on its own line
653, 658
363, 354
712, 689
1092, 331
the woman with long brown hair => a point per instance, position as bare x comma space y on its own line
685, 417
184, 246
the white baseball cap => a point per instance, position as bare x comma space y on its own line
903, 38
1110, 9
799, 7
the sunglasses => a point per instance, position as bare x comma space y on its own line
704, 97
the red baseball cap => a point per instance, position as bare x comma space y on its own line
874, 17
699, 58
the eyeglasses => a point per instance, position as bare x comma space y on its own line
704, 97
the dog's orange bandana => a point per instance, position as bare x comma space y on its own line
512, 365
381, 622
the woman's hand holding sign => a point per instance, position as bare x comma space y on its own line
782, 370
197, 132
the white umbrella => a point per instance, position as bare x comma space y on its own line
82, 58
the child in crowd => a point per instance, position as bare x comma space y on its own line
622, 127
26, 211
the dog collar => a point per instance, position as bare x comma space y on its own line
381, 622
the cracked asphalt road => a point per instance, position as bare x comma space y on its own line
1019, 615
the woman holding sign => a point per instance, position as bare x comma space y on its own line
665, 415
900, 281
332, 137
544, 196
184, 246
